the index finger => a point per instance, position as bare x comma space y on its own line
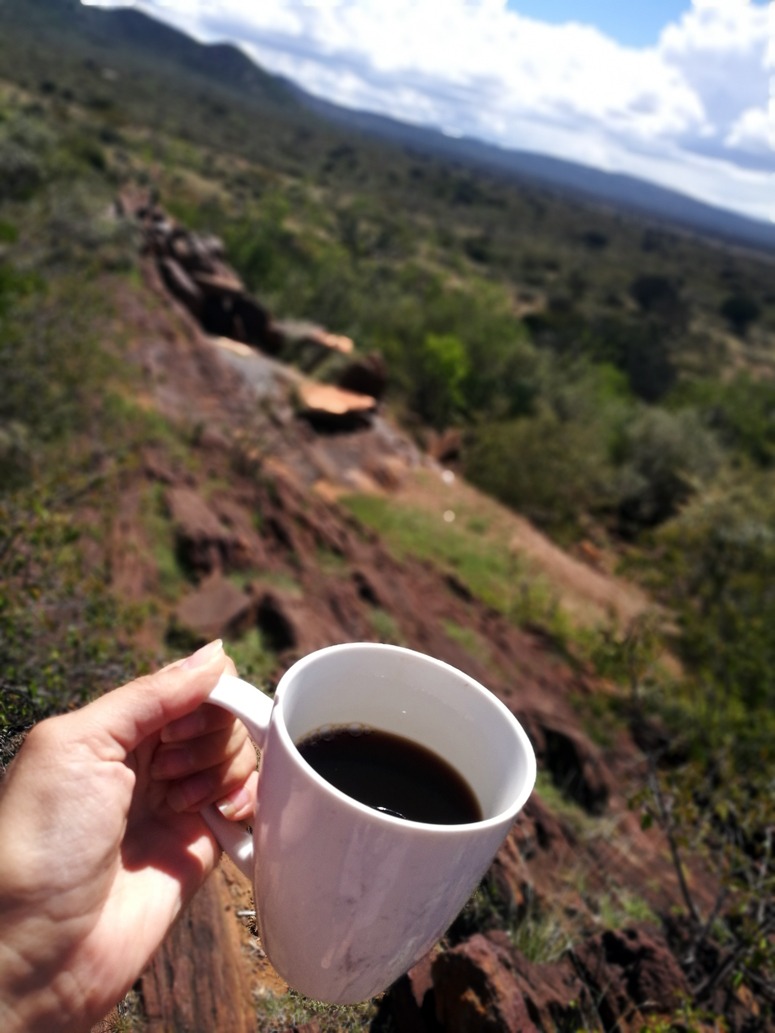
120, 720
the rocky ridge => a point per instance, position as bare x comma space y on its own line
271, 550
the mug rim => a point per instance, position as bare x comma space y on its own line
505, 815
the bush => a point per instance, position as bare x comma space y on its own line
551, 470
740, 311
740, 411
663, 459
440, 369
719, 564
21, 172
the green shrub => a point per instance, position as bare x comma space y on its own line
549, 469
663, 458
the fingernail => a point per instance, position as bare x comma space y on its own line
235, 804
203, 656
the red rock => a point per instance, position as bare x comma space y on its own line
367, 376
179, 283
476, 990
217, 609
204, 544
295, 625
632, 973
575, 763
411, 1000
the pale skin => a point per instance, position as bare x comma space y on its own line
102, 842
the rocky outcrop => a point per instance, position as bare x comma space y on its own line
612, 982
576, 765
476, 992
632, 973
325, 405
191, 987
194, 269
204, 544
216, 609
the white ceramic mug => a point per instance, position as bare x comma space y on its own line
349, 898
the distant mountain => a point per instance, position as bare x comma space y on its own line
617, 190
127, 33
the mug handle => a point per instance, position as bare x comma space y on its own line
254, 709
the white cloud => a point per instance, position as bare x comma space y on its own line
754, 130
690, 112
719, 48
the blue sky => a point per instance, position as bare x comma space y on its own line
634, 24
674, 91
637, 23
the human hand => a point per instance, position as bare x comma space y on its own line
102, 842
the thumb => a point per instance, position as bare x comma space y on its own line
120, 720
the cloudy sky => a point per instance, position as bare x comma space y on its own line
681, 92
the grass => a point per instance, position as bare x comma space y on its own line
621, 907
158, 531
488, 569
541, 936
563, 806
470, 640
255, 662
277, 1014
476, 547
385, 626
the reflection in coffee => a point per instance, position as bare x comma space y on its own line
392, 774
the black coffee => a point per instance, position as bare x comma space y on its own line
392, 774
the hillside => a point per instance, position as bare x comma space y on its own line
561, 482
306, 574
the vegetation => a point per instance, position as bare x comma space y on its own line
611, 380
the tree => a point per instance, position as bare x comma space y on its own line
663, 457
440, 368
739, 310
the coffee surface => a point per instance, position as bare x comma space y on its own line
391, 774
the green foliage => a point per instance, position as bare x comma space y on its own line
663, 458
439, 374
740, 411
719, 562
550, 469
386, 627
60, 639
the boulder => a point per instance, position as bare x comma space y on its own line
411, 1003
251, 321
292, 625
308, 345
217, 314
198, 981
204, 544
367, 376
476, 991
217, 609
537, 829
575, 763
221, 280
631, 973
327, 406
554, 995
179, 283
